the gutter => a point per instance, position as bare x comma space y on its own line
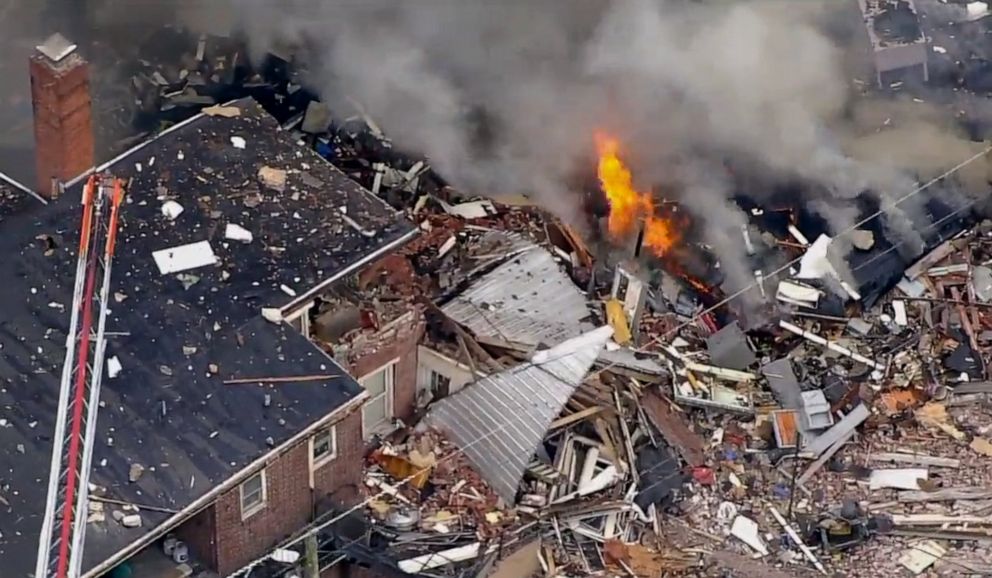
207, 499
10, 181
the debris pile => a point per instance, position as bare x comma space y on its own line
817, 443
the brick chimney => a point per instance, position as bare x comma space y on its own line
63, 124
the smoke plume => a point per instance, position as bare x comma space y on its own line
504, 97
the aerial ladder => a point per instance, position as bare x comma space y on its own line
60, 547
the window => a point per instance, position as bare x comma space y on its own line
253, 495
440, 385
323, 447
378, 409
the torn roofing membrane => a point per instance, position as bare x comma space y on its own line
500, 420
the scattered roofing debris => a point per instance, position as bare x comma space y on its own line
186, 317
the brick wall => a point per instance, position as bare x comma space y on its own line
290, 502
337, 483
398, 342
287, 509
63, 124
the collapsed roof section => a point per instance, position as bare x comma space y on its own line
526, 301
224, 216
501, 420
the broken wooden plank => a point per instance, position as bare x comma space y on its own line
939, 520
829, 453
915, 459
575, 417
840, 430
947, 495
687, 443
284, 379
973, 387
929, 260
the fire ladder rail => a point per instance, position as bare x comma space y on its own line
60, 545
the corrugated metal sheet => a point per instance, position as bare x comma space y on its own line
527, 300
500, 420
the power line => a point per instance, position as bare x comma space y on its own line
248, 567
789, 264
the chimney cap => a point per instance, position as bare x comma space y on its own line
56, 47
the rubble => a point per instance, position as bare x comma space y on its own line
812, 442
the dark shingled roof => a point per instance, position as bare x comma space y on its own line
165, 410
14, 198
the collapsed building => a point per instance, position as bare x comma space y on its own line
521, 397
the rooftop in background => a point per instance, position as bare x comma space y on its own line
179, 336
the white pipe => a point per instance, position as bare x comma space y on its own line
809, 336
795, 538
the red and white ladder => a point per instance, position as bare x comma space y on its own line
60, 548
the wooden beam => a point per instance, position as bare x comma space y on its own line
946, 495
916, 459
575, 417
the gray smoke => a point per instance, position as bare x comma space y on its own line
685, 85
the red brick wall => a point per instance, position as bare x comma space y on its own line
63, 123
338, 482
287, 510
289, 498
198, 533
375, 352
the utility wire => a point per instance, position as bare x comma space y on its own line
248, 567
658, 338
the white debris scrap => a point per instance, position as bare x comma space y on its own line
272, 314
899, 479
238, 142
172, 209
237, 233
184, 257
114, 367
284, 556
746, 530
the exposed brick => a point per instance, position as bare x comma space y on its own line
63, 124
396, 344
287, 509
290, 502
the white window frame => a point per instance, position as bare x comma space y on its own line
315, 462
390, 369
302, 317
255, 508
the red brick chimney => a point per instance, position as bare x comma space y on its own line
63, 124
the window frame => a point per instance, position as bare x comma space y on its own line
387, 394
435, 384
262, 503
317, 462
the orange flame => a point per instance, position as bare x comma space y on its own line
629, 206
